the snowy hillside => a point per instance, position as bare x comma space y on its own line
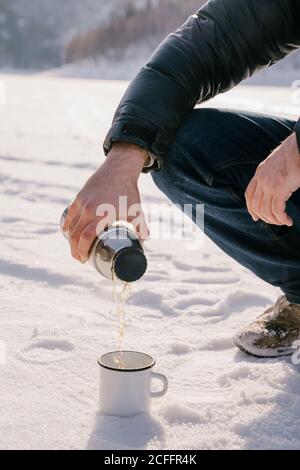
57, 316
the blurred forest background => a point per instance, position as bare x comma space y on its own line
45, 34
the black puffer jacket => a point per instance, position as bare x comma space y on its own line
225, 42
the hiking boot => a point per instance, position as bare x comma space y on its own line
273, 333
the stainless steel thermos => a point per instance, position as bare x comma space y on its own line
117, 252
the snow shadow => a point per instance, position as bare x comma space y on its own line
113, 433
29, 273
55, 163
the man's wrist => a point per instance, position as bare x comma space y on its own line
129, 156
291, 152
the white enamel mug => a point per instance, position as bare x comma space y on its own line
126, 383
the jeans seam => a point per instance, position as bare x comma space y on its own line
232, 163
235, 196
210, 180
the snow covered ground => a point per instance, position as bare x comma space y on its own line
57, 316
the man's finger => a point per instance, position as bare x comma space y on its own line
249, 197
142, 230
86, 231
249, 194
279, 209
75, 233
275, 213
256, 203
73, 213
266, 210
87, 238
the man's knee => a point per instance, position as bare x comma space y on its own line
198, 126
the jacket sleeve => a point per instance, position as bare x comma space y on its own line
225, 42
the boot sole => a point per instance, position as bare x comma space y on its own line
290, 353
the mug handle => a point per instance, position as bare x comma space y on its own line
164, 380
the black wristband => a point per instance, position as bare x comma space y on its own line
297, 132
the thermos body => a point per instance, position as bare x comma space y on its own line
117, 252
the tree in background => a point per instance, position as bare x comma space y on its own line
154, 21
130, 9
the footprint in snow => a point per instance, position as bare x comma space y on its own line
179, 348
44, 350
153, 300
241, 373
221, 343
194, 301
212, 279
180, 414
236, 302
204, 268
153, 277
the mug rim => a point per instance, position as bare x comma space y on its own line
137, 369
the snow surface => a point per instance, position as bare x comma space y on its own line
57, 316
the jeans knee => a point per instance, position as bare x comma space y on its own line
188, 155
199, 126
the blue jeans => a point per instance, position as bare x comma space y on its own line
212, 160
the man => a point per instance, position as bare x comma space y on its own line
244, 167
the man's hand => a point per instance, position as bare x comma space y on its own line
274, 182
118, 176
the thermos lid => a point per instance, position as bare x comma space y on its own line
130, 264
